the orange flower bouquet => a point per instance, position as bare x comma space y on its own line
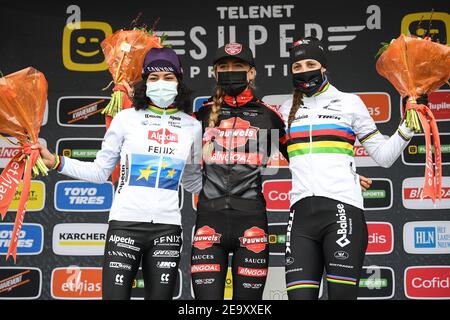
125, 51
23, 95
416, 66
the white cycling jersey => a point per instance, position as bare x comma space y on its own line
156, 149
320, 145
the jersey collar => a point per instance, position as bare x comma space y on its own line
243, 98
161, 111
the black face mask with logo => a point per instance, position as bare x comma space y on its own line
232, 82
308, 82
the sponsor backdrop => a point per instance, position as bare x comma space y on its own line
61, 243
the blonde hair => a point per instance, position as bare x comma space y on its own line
297, 101
215, 108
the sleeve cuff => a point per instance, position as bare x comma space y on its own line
61, 164
405, 132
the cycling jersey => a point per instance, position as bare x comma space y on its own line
320, 145
157, 148
232, 179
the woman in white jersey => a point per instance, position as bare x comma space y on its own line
158, 145
326, 227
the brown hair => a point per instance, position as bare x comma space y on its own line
297, 101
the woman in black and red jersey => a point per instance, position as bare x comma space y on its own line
240, 132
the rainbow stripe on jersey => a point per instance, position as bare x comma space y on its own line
326, 138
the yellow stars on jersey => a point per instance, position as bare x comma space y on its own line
171, 173
146, 173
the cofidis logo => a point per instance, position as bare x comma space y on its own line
31, 238
276, 193
80, 196
427, 282
381, 238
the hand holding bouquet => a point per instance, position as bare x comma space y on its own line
125, 51
22, 104
416, 66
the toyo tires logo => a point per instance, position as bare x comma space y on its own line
80, 196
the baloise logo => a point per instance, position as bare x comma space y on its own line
80, 196
31, 238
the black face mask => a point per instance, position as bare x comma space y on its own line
308, 82
232, 82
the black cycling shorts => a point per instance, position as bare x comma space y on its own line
158, 246
324, 233
219, 233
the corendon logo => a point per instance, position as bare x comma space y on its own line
76, 283
206, 237
252, 272
381, 235
163, 137
196, 268
276, 193
254, 239
234, 133
427, 282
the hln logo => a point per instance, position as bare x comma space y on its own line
425, 237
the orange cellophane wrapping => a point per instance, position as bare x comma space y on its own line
23, 96
127, 66
415, 67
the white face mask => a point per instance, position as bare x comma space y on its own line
162, 93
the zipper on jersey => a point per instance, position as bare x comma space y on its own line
163, 120
228, 197
313, 113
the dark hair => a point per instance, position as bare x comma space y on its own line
182, 101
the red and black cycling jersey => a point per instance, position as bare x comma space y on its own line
247, 132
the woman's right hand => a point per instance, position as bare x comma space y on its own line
48, 158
